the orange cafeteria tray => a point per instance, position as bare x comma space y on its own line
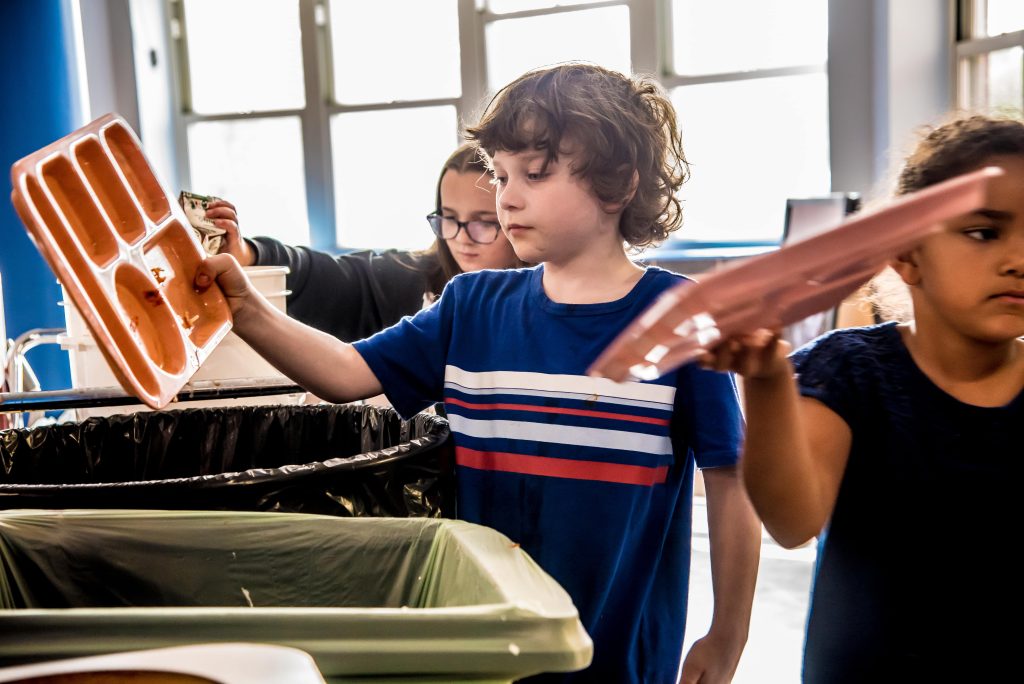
124, 251
785, 286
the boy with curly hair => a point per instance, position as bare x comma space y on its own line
593, 478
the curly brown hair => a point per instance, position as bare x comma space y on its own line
959, 146
622, 125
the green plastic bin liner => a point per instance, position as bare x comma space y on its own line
370, 599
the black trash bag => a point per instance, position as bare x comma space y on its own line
358, 461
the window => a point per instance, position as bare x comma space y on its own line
282, 115
599, 35
750, 87
990, 56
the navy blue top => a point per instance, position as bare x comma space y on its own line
593, 478
914, 581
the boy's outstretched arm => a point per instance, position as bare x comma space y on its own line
735, 535
329, 368
795, 449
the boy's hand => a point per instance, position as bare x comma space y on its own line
761, 354
225, 271
711, 660
225, 216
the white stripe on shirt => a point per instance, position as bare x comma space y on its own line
561, 434
508, 382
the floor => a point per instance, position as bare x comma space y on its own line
773, 649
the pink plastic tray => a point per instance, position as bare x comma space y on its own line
785, 286
122, 247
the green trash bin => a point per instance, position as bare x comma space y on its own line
371, 599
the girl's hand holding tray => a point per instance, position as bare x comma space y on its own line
785, 286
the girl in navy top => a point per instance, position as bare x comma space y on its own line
902, 444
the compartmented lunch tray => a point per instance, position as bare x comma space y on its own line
785, 286
124, 251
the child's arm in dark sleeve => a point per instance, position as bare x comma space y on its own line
350, 296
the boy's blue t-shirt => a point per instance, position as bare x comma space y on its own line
593, 478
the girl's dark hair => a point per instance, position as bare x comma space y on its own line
624, 127
957, 147
437, 261
944, 151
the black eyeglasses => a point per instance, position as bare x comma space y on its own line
447, 227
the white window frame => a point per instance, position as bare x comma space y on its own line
972, 50
650, 53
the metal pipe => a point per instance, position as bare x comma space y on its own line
24, 343
115, 396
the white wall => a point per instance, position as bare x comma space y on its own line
890, 72
110, 65
129, 71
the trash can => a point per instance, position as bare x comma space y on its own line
345, 460
418, 599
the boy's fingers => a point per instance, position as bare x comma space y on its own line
222, 268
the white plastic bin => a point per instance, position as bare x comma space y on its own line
232, 359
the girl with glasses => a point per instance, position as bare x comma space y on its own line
354, 295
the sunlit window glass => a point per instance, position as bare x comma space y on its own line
1005, 82
740, 35
241, 59
506, 6
1004, 16
752, 144
257, 165
386, 165
516, 45
399, 50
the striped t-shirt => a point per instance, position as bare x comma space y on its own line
593, 478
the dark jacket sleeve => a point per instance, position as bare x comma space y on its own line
350, 296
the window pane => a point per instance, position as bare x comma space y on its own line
413, 46
1006, 80
505, 6
516, 45
257, 166
238, 65
751, 144
386, 165
993, 82
742, 35
1004, 16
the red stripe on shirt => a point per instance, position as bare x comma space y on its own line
597, 471
555, 409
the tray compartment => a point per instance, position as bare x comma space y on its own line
113, 196
149, 320
133, 165
172, 259
75, 202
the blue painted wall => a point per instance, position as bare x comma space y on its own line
38, 107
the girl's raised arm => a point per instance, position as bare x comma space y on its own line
796, 448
